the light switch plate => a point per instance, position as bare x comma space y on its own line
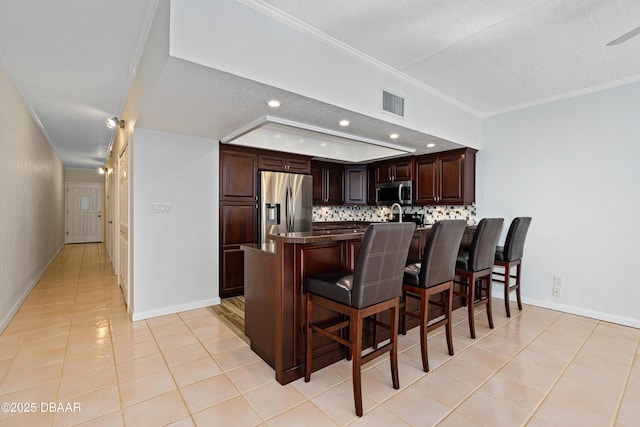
160, 207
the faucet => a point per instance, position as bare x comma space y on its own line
399, 210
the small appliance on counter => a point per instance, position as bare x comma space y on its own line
416, 218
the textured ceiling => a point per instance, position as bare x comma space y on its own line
211, 102
74, 61
491, 55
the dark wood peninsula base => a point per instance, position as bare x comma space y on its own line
274, 300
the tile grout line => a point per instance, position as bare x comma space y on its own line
634, 359
561, 374
447, 361
73, 308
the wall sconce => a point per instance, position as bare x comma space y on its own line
104, 169
113, 122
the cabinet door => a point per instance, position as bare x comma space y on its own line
403, 171
238, 224
271, 163
426, 188
451, 179
335, 185
298, 165
384, 173
318, 184
238, 175
371, 185
355, 185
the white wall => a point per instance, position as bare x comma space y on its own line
572, 165
32, 207
235, 38
175, 254
83, 175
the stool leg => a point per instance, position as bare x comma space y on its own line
447, 312
393, 357
471, 292
506, 290
518, 275
489, 309
356, 363
424, 318
375, 330
403, 316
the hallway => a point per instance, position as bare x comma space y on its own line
73, 353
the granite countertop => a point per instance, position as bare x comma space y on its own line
325, 235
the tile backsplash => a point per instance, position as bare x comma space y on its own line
383, 213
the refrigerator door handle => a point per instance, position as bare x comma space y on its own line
293, 211
288, 208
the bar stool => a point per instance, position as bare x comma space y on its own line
374, 287
509, 256
432, 276
475, 266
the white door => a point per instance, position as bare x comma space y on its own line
123, 216
84, 212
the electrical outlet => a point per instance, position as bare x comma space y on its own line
557, 286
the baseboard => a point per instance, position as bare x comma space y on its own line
14, 309
598, 315
174, 309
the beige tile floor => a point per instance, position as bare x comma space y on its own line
72, 343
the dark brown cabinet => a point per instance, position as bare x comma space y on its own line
446, 178
397, 170
371, 185
355, 185
328, 183
288, 163
239, 205
238, 214
238, 173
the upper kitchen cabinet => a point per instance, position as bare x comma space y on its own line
371, 185
328, 183
238, 174
355, 185
447, 178
284, 163
396, 170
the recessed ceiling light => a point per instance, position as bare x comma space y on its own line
344, 122
394, 136
274, 103
431, 145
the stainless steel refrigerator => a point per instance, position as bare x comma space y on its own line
285, 203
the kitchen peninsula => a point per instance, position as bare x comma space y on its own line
274, 298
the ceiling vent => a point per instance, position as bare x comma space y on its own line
393, 104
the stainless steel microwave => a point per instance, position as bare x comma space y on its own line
388, 193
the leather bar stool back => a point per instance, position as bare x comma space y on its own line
374, 287
509, 256
432, 276
474, 267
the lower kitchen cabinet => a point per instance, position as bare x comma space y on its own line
238, 225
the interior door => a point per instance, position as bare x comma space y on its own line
123, 216
84, 212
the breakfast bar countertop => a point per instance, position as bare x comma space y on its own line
329, 235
